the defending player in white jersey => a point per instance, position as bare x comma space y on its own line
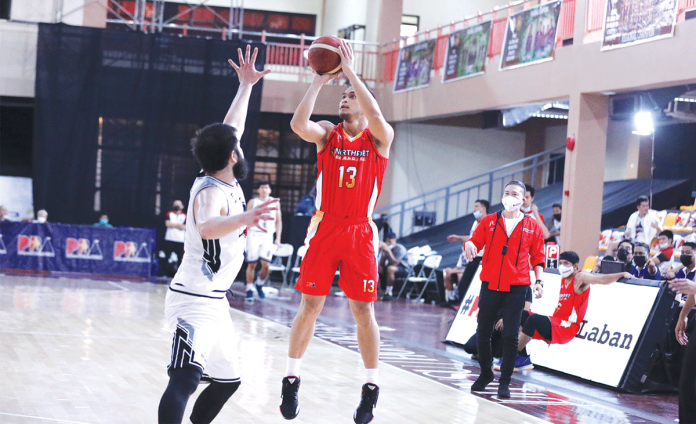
216, 227
260, 242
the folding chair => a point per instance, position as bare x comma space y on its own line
426, 277
281, 261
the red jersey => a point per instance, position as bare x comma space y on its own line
350, 173
571, 309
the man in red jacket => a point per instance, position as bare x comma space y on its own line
512, 241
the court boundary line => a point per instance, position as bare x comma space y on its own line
58, 420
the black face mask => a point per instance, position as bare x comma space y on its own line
241, 169
622, 255
640, 261
686, 259
557, 216
177, 208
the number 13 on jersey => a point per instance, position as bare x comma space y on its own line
351, 172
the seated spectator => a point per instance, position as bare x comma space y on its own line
463, 267
564, 324
41, 217
687, 260
554, 225
665, 253
174, 238
3, 214
383, 228
644, 267
530, 209
393, 260
104, 222
624, 253
642, 225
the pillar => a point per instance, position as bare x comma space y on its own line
583, 182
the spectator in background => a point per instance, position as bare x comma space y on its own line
3, 213
687, 260
104, 222
41, 217
393, 260
554, 225
174, 236
665, 253
464, 271
624, 253
691, 237
644, 267
642, 225
383, 227
531, 210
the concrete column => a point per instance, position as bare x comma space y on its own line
583, 182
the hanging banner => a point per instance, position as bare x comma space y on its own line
530, 36
628, 22
413, 68
467, 52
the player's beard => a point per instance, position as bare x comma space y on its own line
343, 114
241, 168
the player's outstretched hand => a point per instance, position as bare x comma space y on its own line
538, 291
346, 53
683, 286
470, 250
246, 70
682, 338
627, 275
256, 214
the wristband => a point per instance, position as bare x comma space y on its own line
541, 283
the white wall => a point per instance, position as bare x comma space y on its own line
17, 58
426, 157
341, 13
618, 137
555, 136
440, 12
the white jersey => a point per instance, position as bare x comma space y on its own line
270, 225
209, 267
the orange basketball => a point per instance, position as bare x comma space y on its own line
323, 55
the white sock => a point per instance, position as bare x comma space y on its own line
389, 292
250, 286
293, 367
450, 294
259, 281
372, 376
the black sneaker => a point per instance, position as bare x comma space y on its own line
482, 381
387, 297
368, 401
259, 290
289, 402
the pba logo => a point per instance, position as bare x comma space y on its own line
128, 251
3, 248
552, 256
82, 249
35, 246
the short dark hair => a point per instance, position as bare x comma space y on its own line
365, 85
262, 182
556, 205
629, 241
642, 199
569, 256
691, 244
517, 183
213, 145
669, 234
530, 189
485, 203
643, 245
390, 235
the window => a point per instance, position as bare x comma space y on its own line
409, 25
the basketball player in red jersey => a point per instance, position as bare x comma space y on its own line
564, 324
351, 159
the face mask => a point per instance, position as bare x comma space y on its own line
104, 221
565, 271
526, 209
664, 245
557, 216
511, 204
640, 261
41, 219
177, 208
477, 215
686, 259
622, 254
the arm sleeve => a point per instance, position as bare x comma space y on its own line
537, 254
662, 257
478, 237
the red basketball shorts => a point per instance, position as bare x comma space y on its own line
347, 245
561, 332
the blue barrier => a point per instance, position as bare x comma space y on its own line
77, 248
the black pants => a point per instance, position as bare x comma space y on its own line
469, 272
687, 383
510, 305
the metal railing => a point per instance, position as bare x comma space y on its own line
457, 200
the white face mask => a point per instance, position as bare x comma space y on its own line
511, 204
41, 219
526, 209
565, 271
664, 245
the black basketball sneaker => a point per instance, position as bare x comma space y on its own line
289, 401
368, 401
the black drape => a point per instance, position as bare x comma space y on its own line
115, 113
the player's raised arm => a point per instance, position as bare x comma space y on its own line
379, 127
248, 76
584, 279
210, 213
314, 132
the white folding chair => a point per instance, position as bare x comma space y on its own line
295, 270
281, 261
426, 275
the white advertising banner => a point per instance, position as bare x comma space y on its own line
16, 194
614, 320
